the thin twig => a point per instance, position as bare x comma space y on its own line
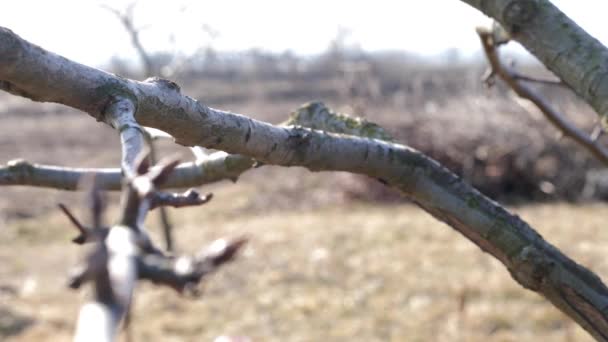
87, 234
163, 214
183, 273
555, 117
127, 21
81, 228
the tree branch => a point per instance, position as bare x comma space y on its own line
215, 167
577, 58
123, 253
183, 273
522, 90
187, 199
532, 261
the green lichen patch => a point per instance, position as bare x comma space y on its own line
317, 116
236, 164
19, 166
472, 202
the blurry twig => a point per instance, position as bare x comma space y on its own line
124, 254
513, 80
87, 234
126, 19
163, 214
168, 199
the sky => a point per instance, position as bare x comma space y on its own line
85, 32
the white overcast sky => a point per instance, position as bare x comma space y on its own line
81, 30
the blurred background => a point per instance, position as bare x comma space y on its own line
333, 256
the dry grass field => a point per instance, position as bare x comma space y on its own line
355, 272
320, 266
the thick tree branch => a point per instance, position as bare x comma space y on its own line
577, 58
532, 261
513, 80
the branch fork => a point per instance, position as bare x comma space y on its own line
123, 253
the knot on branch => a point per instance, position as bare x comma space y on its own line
298, 140
531, 267
19, 166
519, 13
164, 83
119, 114
18, 171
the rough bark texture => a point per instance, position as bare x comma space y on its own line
532, 261
580, 60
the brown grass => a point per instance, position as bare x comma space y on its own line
343, 273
